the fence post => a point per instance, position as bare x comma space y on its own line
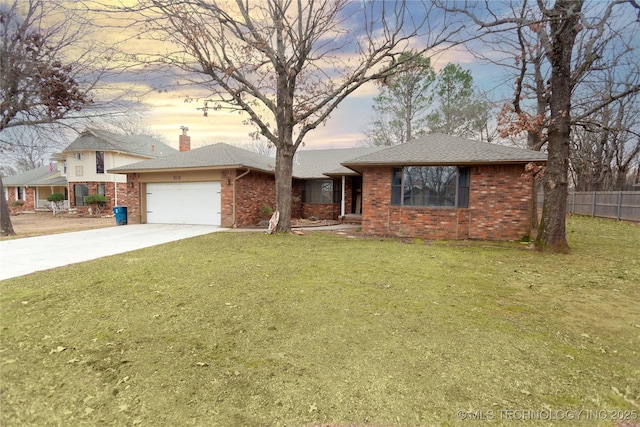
619, 204
593, 204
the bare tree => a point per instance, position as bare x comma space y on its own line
49, 69
23, 149
606, 144
569, 42
288, 64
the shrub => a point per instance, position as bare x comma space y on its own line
92, 199
55, 197
18, 203
266, 211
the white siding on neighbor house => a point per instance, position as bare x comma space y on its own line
184, 203
88, 164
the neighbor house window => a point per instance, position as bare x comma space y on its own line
19, 193
80, 191
99, 161
318, 191
437, 186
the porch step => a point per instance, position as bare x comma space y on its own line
351, 219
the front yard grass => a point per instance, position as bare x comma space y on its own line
248, 329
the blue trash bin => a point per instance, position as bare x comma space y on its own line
121, 214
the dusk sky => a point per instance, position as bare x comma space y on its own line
167, 110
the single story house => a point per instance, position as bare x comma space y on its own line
29, 190
436, 187
81, 169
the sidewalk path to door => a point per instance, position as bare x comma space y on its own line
24, 256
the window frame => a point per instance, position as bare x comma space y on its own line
100, 162
80, 197
462, 187
310, 195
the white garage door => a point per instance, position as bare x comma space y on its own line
183, 203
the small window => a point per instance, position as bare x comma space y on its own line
78, 156
99, 161
19, 193
101, 190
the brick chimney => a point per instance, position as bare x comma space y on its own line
184, 142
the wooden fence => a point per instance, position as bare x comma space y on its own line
619, 205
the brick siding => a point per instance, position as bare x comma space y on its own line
321, 210
498, 208
129, 196
28, 197
253, 191
109, 190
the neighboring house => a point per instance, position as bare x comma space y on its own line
81, 169
87, 159
28, 191
438, 186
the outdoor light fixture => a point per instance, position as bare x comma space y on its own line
228, 181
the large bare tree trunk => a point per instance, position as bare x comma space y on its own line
564, 28
284, 174
6, 228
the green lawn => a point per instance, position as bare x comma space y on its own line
249, 329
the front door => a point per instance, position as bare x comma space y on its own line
356, 195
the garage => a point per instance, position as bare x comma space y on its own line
184, 203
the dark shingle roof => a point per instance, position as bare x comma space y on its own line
317, 164
35, 177
102, 140
437, 149
214, 156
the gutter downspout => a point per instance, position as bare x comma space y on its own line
234, 195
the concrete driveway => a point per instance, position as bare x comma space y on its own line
23, 256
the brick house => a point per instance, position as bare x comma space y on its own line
81, 169
436, 187
28, 191
87, 160
446, 187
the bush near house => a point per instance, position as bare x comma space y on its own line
98, 201
57, 199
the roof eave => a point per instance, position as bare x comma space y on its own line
361, 165
184, 168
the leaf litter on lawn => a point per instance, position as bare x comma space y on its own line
246, 329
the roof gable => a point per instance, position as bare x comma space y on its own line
102, 140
